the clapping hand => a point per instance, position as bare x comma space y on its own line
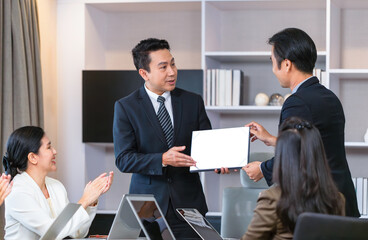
5, 187
94, 189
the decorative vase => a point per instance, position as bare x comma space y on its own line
261, 99
366, 136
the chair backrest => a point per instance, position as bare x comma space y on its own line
239, 203
313, 226
245, 180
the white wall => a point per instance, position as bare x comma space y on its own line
47, 24
70, 62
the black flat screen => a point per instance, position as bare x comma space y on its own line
102, 88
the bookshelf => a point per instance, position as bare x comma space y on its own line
207, 34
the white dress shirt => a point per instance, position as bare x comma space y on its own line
153, 97
28, 214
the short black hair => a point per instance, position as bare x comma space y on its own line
142, 50
295, 45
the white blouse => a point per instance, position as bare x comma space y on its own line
28, 214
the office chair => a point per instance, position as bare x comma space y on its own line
316, 226
239, 203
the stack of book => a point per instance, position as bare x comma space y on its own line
361, 189
223, 87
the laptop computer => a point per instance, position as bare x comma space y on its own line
60, 222
137, 214
200, 224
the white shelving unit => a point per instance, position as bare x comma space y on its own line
208, 34
356, 144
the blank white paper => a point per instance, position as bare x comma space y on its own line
212, 149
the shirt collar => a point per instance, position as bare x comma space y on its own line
153, 95
297, 86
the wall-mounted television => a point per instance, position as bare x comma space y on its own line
101, 88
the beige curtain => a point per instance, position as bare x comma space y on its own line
20, 70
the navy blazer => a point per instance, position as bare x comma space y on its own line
139, 143
320, 106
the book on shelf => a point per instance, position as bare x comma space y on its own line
228, 87
223, 87
364, 207
217, 87
361, 189
213, 87
208, 87
236, 87
359, 193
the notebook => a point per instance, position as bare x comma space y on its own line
139, 216
60, 222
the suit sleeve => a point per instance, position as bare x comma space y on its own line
128, 158
267, 170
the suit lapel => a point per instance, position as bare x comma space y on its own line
177, 112
148, 109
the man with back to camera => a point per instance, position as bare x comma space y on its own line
293, 58
152, 135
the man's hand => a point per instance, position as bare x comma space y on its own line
253, 170
257, 131
175, 158
223, 171
147, 209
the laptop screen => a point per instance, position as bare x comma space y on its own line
59, 223
199, 223
140, 216
151, 219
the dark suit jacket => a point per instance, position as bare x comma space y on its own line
320, 106
139, 143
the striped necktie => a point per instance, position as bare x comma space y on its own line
165, 121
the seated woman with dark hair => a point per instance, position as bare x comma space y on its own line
303, 183
36, 200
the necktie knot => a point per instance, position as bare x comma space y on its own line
161, 99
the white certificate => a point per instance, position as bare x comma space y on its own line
212, 149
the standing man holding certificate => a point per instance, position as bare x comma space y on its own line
293, 58
152, 135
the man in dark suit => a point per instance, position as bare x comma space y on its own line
152, 135
293, 58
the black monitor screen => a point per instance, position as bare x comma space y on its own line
102, 88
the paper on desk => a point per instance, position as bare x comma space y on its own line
228, 147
